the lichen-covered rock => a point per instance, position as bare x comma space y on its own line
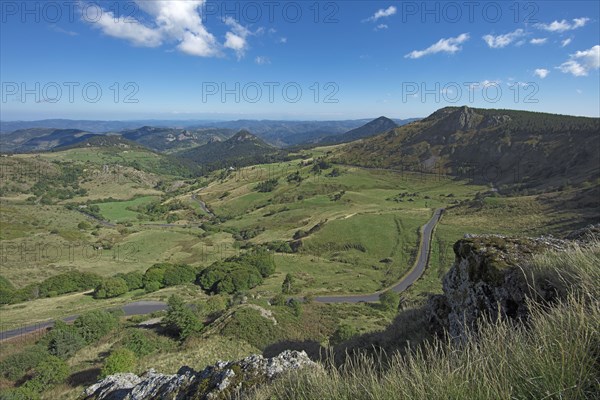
216, 381
488, 279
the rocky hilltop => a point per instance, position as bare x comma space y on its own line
216, 381
492, 277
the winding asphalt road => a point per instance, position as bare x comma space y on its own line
148, 307
407, 280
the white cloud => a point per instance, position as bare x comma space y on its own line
538, 40
261, 60
236, 38
487, 83
582, 62
450, 45
500, 41
283, 40
565, 42
541, 73
176, 22
381, 26
129, 29
58, 29
564, 25
382, 13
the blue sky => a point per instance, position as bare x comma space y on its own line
193, 59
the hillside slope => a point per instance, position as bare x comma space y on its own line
379, 125
497, 147
240, 150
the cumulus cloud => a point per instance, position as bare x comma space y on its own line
178, 22
236, 38
449, 45
500, 41
538, 40
382, 13
582, 62
381, 26
541, 73
564, 25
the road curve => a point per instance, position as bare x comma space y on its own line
137, 308
147, 307
407, 280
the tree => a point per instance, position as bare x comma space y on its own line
111, 287
133, 279
151, 286
95, 324
120, 360
64, 340
178, 275
180, 319
296, 306
389, 300
288, 284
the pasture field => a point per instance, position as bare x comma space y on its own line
357, 229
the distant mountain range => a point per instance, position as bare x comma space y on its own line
176, 139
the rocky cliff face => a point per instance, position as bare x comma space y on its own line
222, 380
491, 278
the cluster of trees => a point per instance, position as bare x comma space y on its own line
156, 277
319, 165
267, 186
44, 365
402, 195
237, 274
249, 233
158, 210
61, 186
295, 177
67, 282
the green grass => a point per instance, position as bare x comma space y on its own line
554, 357
121, 211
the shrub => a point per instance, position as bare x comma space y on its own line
343, 333
249, 325
50, 371
278, 300
95, 324
111, 287
120, 360
17, 365
20, 393
64, 340
389, 300
138, 343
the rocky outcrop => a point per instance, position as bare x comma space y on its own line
489, 279
224, 379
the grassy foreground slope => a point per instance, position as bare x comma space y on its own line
554, 357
